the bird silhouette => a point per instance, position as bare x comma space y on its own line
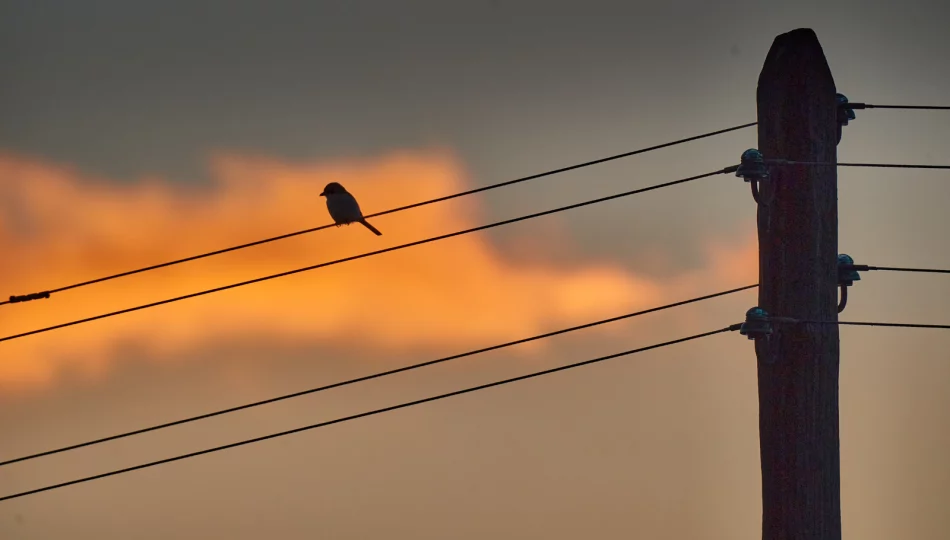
343, 207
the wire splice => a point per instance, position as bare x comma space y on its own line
525, 217
16, 299
406, 207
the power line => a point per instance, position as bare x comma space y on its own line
843, 164
858, 106
888, 165
46, 294
895, 325
865, 268
372, 376
369, 413
860, 323
726, 170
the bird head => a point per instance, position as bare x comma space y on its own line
332, 188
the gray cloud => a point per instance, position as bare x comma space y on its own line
663, 446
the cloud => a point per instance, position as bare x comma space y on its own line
59, 226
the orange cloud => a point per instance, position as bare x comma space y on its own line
58, 226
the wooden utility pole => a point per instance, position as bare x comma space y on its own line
798, 246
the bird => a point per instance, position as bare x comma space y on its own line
343, 207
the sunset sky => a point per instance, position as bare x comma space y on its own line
133, 133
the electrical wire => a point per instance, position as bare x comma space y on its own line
844, 164
861, 323
865, 268
792, 320
372, 376
894, 325
726, 170
889, 165
369, 413
859, 106
47, 293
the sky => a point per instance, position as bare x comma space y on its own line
138, 132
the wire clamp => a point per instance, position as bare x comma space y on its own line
27, 297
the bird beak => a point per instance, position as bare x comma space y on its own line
323, 193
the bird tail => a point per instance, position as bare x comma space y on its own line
370, 227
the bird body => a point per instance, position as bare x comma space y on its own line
343, 207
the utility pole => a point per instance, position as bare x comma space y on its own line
798, 246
